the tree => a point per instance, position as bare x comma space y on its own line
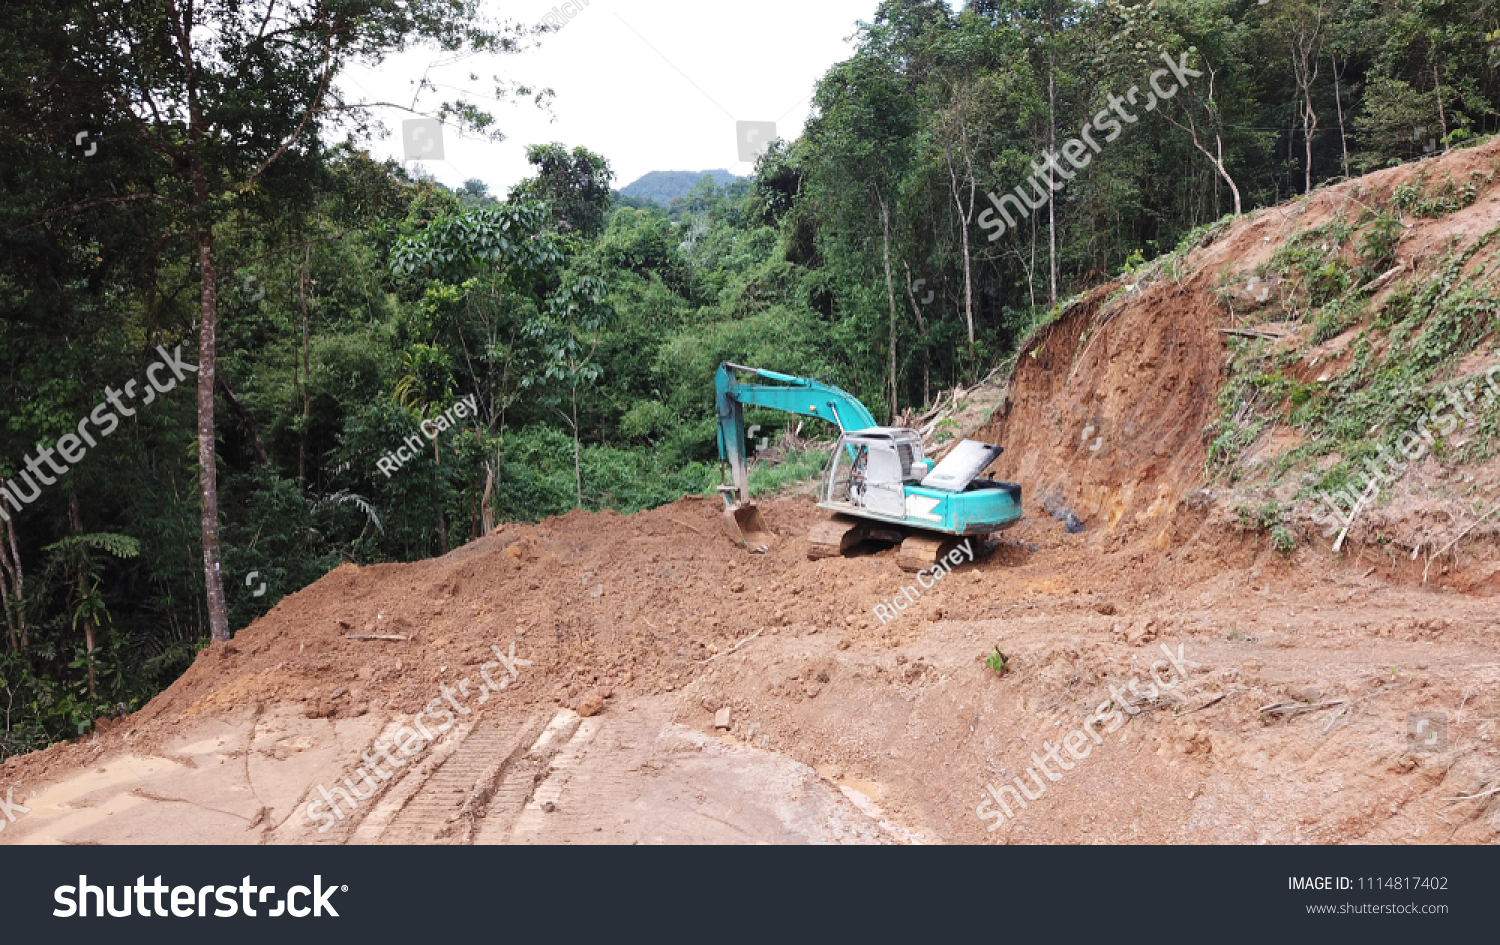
1302, 25
474, 194
1218, 44
570, 331
223, 105
489, 299
575, 185
861, 139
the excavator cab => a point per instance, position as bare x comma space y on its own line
871, 468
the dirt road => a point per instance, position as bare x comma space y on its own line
841, 729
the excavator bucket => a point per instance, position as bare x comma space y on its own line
747, 528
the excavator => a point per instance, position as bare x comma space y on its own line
880, 486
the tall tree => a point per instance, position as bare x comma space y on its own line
1302, 25
575, 185
224, 105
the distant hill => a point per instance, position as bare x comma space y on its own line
662, 186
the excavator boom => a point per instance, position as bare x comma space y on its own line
799, 395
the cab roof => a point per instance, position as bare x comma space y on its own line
885, 433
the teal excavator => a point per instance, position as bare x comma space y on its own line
879, 486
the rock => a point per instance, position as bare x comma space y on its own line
1304, 693
1106, 609
721, 718
598, 591
591, 704
1141, 633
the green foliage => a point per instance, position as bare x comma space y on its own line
574, 186
767, 478
1414, 196
996, 661
1377, 248
121, 546
504, 238
1268, 518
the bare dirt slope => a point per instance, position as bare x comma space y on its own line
1294, 722
1108, 404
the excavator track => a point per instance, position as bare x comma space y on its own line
920, 552
832, 537
837, 536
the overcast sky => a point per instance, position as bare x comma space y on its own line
653, 85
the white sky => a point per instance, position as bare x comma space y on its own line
669, 108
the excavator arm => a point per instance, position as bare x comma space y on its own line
799, 395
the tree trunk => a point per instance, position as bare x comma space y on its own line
486, 514
1338, 99
18, 584
10, 618
11, 585
890, 288
248, 419
1216, 159
577, 450
208, 474
1309, 125
916, 309
1031, 265
1306, 45
969, 280
1052, 198
1437, 89
306, 373
75, 522
965, 218
1291, 161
